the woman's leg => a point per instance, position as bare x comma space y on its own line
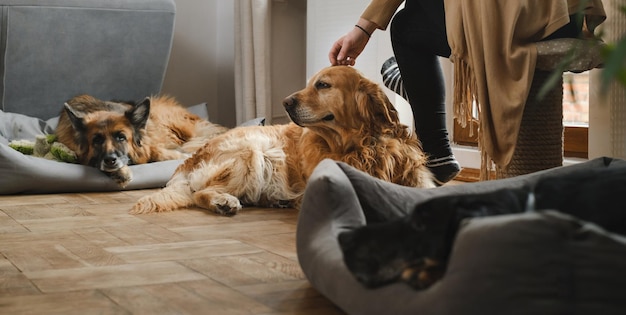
571, 30
418, 37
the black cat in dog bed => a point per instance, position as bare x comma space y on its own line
415, 249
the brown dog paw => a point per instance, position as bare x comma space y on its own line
423, 276
122, 177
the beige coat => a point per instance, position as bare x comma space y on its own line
495, 57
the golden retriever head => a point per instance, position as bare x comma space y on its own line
341, 100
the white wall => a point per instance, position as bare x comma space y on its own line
201, 60
201, 66
288, 53
327, 21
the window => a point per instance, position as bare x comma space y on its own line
575, 117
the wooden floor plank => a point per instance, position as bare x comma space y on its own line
35, 239
283, 244
80, 303
13, 282
8, 225
40, 258
76, 279
182, 250
287, 296
212, 298
89, 254
33, 200
250, 229
69, 223
30, 212
101, 237
137, 300
247, 269
143, 234
85, 254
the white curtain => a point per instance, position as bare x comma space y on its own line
252, 59
617, 96
607, 110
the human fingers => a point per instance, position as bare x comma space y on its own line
341, 53
348, 61
345, 56
333, 53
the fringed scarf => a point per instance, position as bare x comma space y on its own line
494, 60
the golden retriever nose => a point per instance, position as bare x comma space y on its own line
290, 101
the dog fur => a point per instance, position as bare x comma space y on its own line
415, 249
339, 115
112, 135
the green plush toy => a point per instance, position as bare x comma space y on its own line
47, 147
25, 147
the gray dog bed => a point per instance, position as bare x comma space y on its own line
21, 173
532, 263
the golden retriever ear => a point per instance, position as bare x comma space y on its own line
374, 104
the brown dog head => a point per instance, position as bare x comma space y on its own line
107, 132
379, 254
416, 248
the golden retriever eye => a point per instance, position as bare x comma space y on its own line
321, 85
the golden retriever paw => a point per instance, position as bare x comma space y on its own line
122, 177
225, 204
142, 207
283, 204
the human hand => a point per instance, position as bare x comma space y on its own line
348, 47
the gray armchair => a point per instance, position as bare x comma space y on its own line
53, 50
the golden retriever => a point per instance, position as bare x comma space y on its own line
339, 115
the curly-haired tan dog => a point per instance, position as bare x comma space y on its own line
339, 115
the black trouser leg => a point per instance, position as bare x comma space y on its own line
418, 37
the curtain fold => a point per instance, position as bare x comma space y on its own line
252, 59
616, 97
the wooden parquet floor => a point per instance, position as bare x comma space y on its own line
84, 254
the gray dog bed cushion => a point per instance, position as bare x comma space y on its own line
21, 173
532, 263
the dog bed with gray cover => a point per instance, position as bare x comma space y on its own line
26, 174
541, 262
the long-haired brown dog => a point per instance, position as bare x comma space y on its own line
339, 115
113, 135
